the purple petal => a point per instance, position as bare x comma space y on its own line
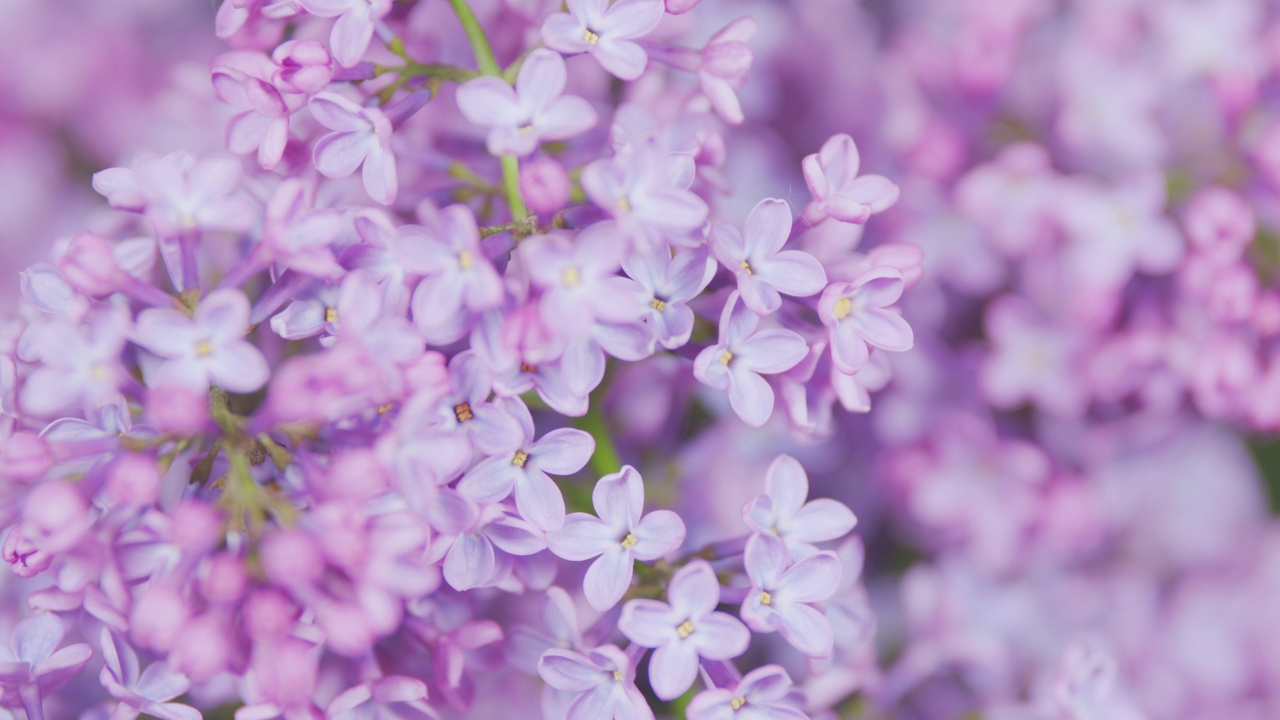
563, 32
541, 79
793, 272
351, 34
884, 329
694, 590
821, 520
811, 580
750, 396
876, 192
649, 623
490, 481
582, 537
767, 228
515, 536
630, 19
379, 175
35, 638
539, 500
608, 578
563, 451
623, 59
238, 367
469, 563
765, 560
848, 349
772, 351
718, 636
807, 629
339, 154
568, 670
840, 160
619, 498
338, 113
565, 117
161, 683
490, 101
787, 486
673, 668
657, 534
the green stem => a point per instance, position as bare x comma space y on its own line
488, 65
605, 459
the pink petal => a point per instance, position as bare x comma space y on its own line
489, 101
787, 485
339, 154
657, 534
750, 396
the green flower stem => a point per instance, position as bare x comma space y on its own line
488, 65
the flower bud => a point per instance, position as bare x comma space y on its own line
134, 480
55, 516
545, 185
24, 456
158, 617
305, 66
196, 528
176, 409
291, 559
1219, 223
90, 265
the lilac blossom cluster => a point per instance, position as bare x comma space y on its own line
316, 427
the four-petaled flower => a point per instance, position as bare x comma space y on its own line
782, 510
207, 347
592, 26
604, 679
756, 258
838, 192
781, 594
762, 694
856, 315
362, 136
31, 665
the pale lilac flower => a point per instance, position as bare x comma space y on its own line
303, 66
353, 29
362, 136
684, 629
76, 364
471, 532
243, 80
603, 679
525, 471
838, 192
782, 510
645, 189
491, 429
1116, 231
180, 193
315, 311
856, 315
762, 694
31, 665
782, 594
592, 26
207, 347
669, 284
721, 65
458, 273
521, 118
756, 258
579, 281
526, 644
298, 236
361, 702
617, 538
743, 354
148, 691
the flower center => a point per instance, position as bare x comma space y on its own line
617, 676
331, 315
657, 304
526, 129
99, 372
684, 629
624, 204
463, 411
590, 38
726, 358
465, 260
738, 702
629, 541
765, 597
520, 459
746, 267
384, 409
842, 309
204, 348
572, 276
526, 367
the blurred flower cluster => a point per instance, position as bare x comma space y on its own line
471, 358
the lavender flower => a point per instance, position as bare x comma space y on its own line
606, 32
762, 267
782, 594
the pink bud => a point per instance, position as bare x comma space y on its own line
545, 185
291, 559
305, 66
203, 649
90, 265
1266, 315
176, 409
906, 258
268, 613
1234, 290
355, 475
55, 516
24, 456
134, 480
24, 558
680, 7
158, 617
1219, 223
225, 580
196, 528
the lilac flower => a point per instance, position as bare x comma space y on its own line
670, 284
362, 136
560, 618
743, 354
603, 679
354, 27
534, 111
362, 701
756, 258
471, 534
618, 538
684, 630
458, 273
148, 692
856, 316
781, 594
563, 451
721, 65
490, 428
31, 665
179, 192
782, 510
762, 694
578, 280
838, 192
592, 26
243, 80
645, 189
207, 347
303, 66
77, 365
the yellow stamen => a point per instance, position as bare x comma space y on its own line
463, 411
572, 276
842, 309
526, 129
746, 267
331, 315
738, 702
99, 372
384, 409
657, 304
684, 629
726, 357
765, 597
590, 37
465, 260
617, 675
520, 459
204, 348
629, 541
624, 204
526, 367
